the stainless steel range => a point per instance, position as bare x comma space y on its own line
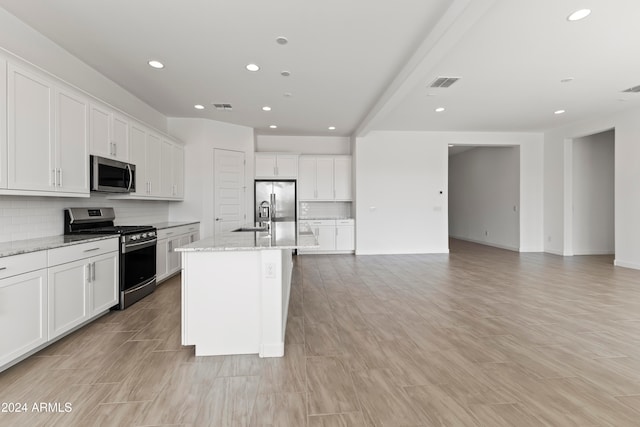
137, 249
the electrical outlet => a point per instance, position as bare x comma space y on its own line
270, 270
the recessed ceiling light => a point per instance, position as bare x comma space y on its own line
439, 109
579, 14
287, 94
332, 128
198, 107
567, 80
559, 112
252, 67
282, 40
266, 108
156, 64
285, 73
273, 127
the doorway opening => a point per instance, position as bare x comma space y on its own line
484, 195
592, 225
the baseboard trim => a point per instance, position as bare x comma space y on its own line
625, 264
482, 242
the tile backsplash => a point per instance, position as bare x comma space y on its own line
34, 217
324, 210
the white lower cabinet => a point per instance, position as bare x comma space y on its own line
81, 286
168, 261
23, 314
333, 236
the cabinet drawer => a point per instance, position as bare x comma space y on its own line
177, 231
84, 250
344, 222
18, 264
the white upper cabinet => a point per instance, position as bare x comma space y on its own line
47, 136
30, 131
72, 159
3, 123
342, 177
154, 160
178, 171
109, 133
282, 166
324, 178
138, 157
166, 166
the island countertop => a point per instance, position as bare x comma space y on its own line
283, 236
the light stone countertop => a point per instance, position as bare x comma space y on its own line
45, 243
284, 237
172, 224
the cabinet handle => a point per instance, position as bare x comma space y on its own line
3, 268
53, 178
60, 172
89, 273
91, 250
170, 247
93, 271
168, 234
115, 149
275, 173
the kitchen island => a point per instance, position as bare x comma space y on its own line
235, 290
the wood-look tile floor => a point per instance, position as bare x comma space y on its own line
480, 337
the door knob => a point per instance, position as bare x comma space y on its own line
218, 219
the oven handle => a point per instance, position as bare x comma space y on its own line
128, 291
134, 247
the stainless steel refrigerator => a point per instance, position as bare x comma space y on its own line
275, 201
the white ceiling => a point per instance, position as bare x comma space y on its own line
358, 65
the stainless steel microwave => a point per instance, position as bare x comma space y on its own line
112, 176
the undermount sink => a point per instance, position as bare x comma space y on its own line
251, 229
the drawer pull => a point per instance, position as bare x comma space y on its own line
3, 268
169, 234
91, 250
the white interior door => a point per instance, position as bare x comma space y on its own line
229, 188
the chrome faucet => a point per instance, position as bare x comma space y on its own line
264, 215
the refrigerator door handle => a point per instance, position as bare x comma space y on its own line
273, 206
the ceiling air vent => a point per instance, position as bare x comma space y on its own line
223, 107
444, 82
634, 89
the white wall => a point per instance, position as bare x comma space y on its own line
303, 144
27, 217
484, 196
557, 200
407, 165
593, 190
201, 137
402, 194
28, 44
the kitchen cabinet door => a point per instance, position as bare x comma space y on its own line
72, 159
119, 131
23, 314
154, 162
265, 165
31, 150
326, 235
286, 166
173, 257
307, 178
138, 157
324, 178
178, 171
104, 282
162, 250
342, 178
166, 168
100, 135
68, 295
344, 238
3, 123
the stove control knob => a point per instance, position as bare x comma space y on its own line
144, 235
134, 237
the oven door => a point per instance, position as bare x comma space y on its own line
137, 271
